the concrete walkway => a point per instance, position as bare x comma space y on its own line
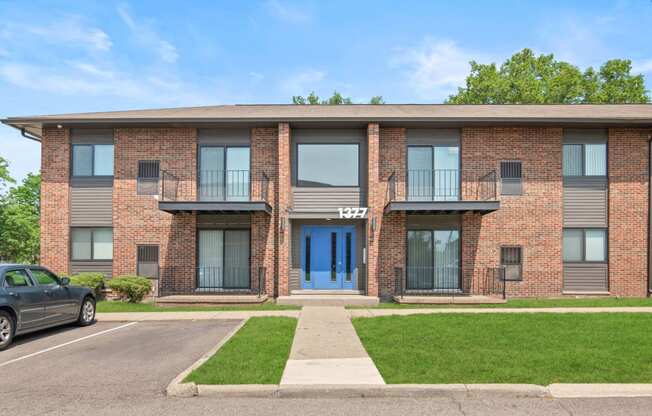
196, 315
327, 351
370, 313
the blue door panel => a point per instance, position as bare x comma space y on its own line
325, 261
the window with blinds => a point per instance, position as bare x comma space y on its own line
511, 177
148, 175
512, 261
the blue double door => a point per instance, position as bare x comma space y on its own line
328, 260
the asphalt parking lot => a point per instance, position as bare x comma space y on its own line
51, 370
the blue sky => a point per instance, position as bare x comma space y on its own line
68, 56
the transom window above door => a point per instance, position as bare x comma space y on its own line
328, 165
433, 173
224, 173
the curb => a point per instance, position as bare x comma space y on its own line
570, 391
177, 388
358, 391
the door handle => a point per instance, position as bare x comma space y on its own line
14, 294
47, 292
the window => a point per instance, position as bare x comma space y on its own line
433, 260
585, 245
327, 165
223, 259
348, 257
511, 178
92, 160
224, 173
44, 277
433, 173
511, 260
92, 243
17, 278
333, 257
148, 174
147, 261
585, 159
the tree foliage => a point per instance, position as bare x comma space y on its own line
528, 79
5, 178
335, 99
19, 221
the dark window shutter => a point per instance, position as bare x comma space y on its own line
147, 258
511, 178
512, 261
148, 174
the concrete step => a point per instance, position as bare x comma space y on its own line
327, 300
214, 299
322, 292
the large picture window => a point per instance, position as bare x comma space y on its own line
92, 243
223, 259
328, 165
92, 160
585, 245
585, 159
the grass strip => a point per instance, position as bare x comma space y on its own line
529, 303
256, 354
510, 348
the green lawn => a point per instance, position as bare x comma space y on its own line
255, 355
532, 303
510, 348
118, 306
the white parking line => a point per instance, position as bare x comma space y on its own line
24, 357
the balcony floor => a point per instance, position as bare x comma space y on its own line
442, 207
215, 207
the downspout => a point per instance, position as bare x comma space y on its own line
29, 136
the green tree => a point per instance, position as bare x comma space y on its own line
19, 221
335, 99
528, 79
5, 178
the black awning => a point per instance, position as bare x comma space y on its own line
442, 207
210, 207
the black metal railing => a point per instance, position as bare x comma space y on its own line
493, 282
169, 186
441, 185
224, 185
179, 280
433, 185
449, 281
217, 185
487, 186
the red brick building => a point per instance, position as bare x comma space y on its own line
371, 200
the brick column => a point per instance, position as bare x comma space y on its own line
284, 204
628, 214
375, 204
263, 230
55, 205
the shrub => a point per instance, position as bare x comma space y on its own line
131, 288
93, 281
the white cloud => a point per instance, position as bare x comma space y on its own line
642, 67
435, 68
148, 37
255, 77
67, 30
289, 13
303, 82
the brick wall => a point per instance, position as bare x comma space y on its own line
375, 201
532, 220
263, 230
628, 213
55, 199
284, 204
392, 239
137, 219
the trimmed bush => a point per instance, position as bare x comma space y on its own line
93, 281
131, 288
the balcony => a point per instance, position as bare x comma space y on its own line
442, 191
218, 191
